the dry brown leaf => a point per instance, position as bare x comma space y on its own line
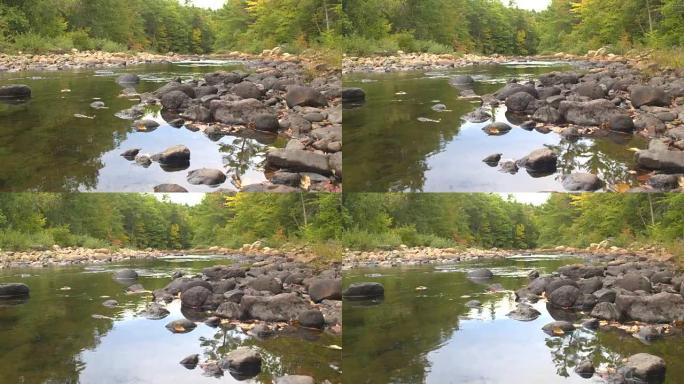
622, 187
305, 182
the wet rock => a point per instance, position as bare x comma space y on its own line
508, 166
206, 90
155, 311
294, 379
195, 297
662, 307
461, 80
175, 100
325, 289
211, 177
564, 297
223, 286
176, 155
266, 122
558, 328
265, 283
554, 284
247, 90
212, 369
497, 129
353, 95
647, 368
169, 188
198, 113
548, 114
481, 273
243, 362
595, 112
633, 282
311, 319
591, 324
606, 311
305, 97
181, 326
621, 123
648, 334
298, 160
110, 303
364, 291
513, 88
541, 160
97, 105
643, 95
664, 182
135, 288
130, 154
13, 290
143, 160
128, 78
15, 91
479, 115
175, 86
524, 312
146, 125
493, 160
239, 112
585, 369
439, 107
213, 321
661, 160
190, 362
585, 182
519, 102
590, 285
126, 274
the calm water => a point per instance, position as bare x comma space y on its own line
390, 150
46, 148
432, 337
53, 338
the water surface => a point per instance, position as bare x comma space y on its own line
430, 336
46, 148
391, 150
53, 338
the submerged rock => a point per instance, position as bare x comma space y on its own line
15, 91
126, 274
190, 362
481, 273
243, 362
524, 312
181, 326
13, 290
646, 368
364, 291
558, 328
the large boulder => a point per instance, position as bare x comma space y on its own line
175, 86
591, 90
364, 291
520, 101
247, 90
15, 91
325, 289
633, 282
621, 123
584, 182
353, 95
662, 160
305, 97
176, 155
239, 112
541, 160
195, 297
175, 100
558, 78
219, 272
266, 283
548, 114
242, 363
513, 88
606, 311
218, 78
595, 112
564, 297
206, 176
662, 307
645, 368
644, 95
230, 310
13, 290
281, 307
311, 319
298, 160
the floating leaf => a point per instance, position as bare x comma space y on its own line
558, 331
335, 347
421, 288
622, 187
633, 149
305, 182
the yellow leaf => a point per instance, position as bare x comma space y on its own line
634, 149
681, 182
335, 347
305, 183
558, 332
622, 187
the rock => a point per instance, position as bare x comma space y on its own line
493, 160
524, 312
220, 272
564, 297
247, 90
294, 379
513, 88
147, 125
664, 182
243, 362
364, 291
126, 274
621, 123
481, 273
605, 295
591, 285
643, 95
128, 78
195, 297
473, 304
508, 166
311, 319
267, 123
606, 311
15, 91
591, 90
13, 290
554, 284
265, 283
585, 182
97, 105
281, 307
110, 303
439, 107
169, 188
479, 115
175, 100
175, 86
519, 102
559, 78
135, 288
190, 362
662, 307
143, 160
198, 113
558, 328
497, 129
541, 160
216, 78
130, 154
647, 368
211, 177
461, 80
325, 289
595, 112
241, 112
305, 97
649, 123
212, 369
262, 331
298, 160
176, 155
155, 311
648, 334
353, 95
663, 160
230, 310
181, 326
548, 114
585, 369
591, 324
633, 282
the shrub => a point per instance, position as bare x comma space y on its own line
362, 240
18, 241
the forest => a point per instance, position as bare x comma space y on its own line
37, 26
499, 26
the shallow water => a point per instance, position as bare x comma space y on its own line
53, 338
46, 148
390, 150
430, 336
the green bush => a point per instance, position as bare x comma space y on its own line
18, 241
62, 236
362, 240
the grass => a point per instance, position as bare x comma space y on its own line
38, 44
673, 58
20, 241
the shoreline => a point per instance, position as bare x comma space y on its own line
420, 256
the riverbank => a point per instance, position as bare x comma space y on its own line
405, 256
